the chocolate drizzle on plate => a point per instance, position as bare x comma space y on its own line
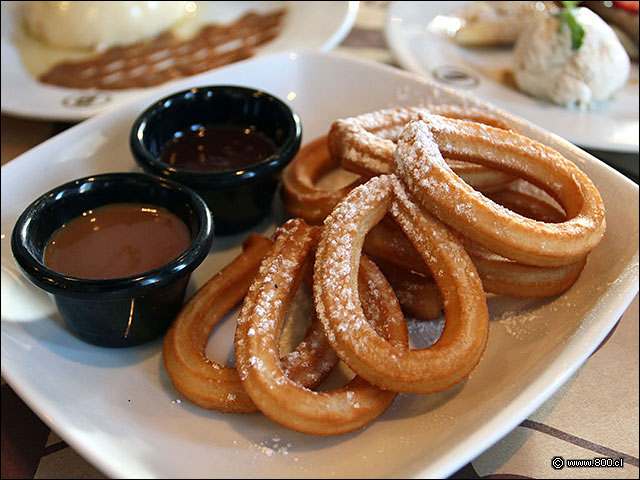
167, 57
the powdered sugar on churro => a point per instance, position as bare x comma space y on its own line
436, 188
337, 268
365, 143
404, 369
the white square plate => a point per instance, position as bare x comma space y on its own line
119, 409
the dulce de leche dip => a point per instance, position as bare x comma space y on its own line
116, 241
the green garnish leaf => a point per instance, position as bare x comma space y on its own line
570, 5
577, 30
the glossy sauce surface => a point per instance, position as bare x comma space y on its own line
116, 240
217, 147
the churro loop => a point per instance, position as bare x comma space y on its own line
259, 327
418, 296
464, 337
303, 198
436, 188
365, 144
500, 276
506, 277
214, 386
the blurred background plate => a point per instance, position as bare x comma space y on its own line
307, 26
423, 48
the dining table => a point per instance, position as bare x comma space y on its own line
594, 414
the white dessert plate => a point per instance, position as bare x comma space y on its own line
118, 408
307, 26
416, 34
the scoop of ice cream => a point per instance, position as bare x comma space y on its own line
546, 67
98, 25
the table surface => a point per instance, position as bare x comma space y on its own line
595, 413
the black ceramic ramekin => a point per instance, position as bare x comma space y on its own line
239, 198
118, 312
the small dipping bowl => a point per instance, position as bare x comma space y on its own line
239, 196
123, 311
